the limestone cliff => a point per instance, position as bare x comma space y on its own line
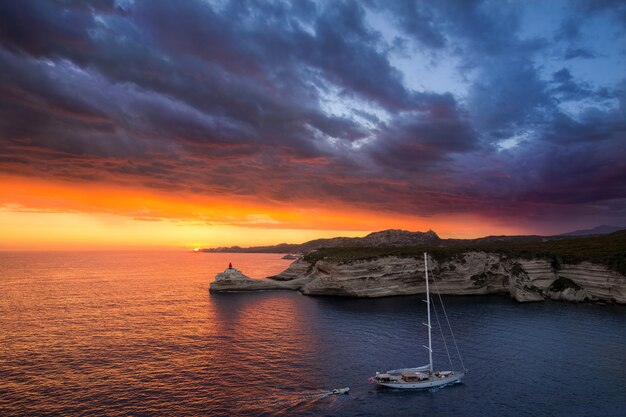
472, 273
297, 269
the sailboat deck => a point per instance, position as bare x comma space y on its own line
439, 379
412, 376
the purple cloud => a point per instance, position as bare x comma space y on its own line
284, 101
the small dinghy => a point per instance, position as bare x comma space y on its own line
340, 391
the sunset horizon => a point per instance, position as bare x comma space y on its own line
61, 215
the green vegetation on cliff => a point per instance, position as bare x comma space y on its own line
608, 250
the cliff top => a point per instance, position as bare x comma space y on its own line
609, 250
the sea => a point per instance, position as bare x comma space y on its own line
138, 334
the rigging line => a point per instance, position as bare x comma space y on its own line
450, 327
443, 337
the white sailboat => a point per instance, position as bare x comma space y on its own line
424, 376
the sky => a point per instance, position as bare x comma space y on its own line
217, 123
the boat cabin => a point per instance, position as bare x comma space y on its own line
387, 378
415, 376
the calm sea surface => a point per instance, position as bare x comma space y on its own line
137, 333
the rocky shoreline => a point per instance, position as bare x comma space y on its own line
471, 273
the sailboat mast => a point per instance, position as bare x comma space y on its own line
430, 342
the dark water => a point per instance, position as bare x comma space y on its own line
138, 334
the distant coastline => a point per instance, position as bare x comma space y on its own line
404, 238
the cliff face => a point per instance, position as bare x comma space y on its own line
599, 282
473, 273
297, 269
386, 276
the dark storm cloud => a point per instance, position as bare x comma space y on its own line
412, 142
288, 100
578, 175
566, 88
416, 19
573, 53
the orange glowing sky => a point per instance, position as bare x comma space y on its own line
38, 214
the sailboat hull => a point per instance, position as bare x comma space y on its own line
455, 378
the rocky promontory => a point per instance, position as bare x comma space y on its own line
232, 280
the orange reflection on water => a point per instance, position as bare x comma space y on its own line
93, 330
